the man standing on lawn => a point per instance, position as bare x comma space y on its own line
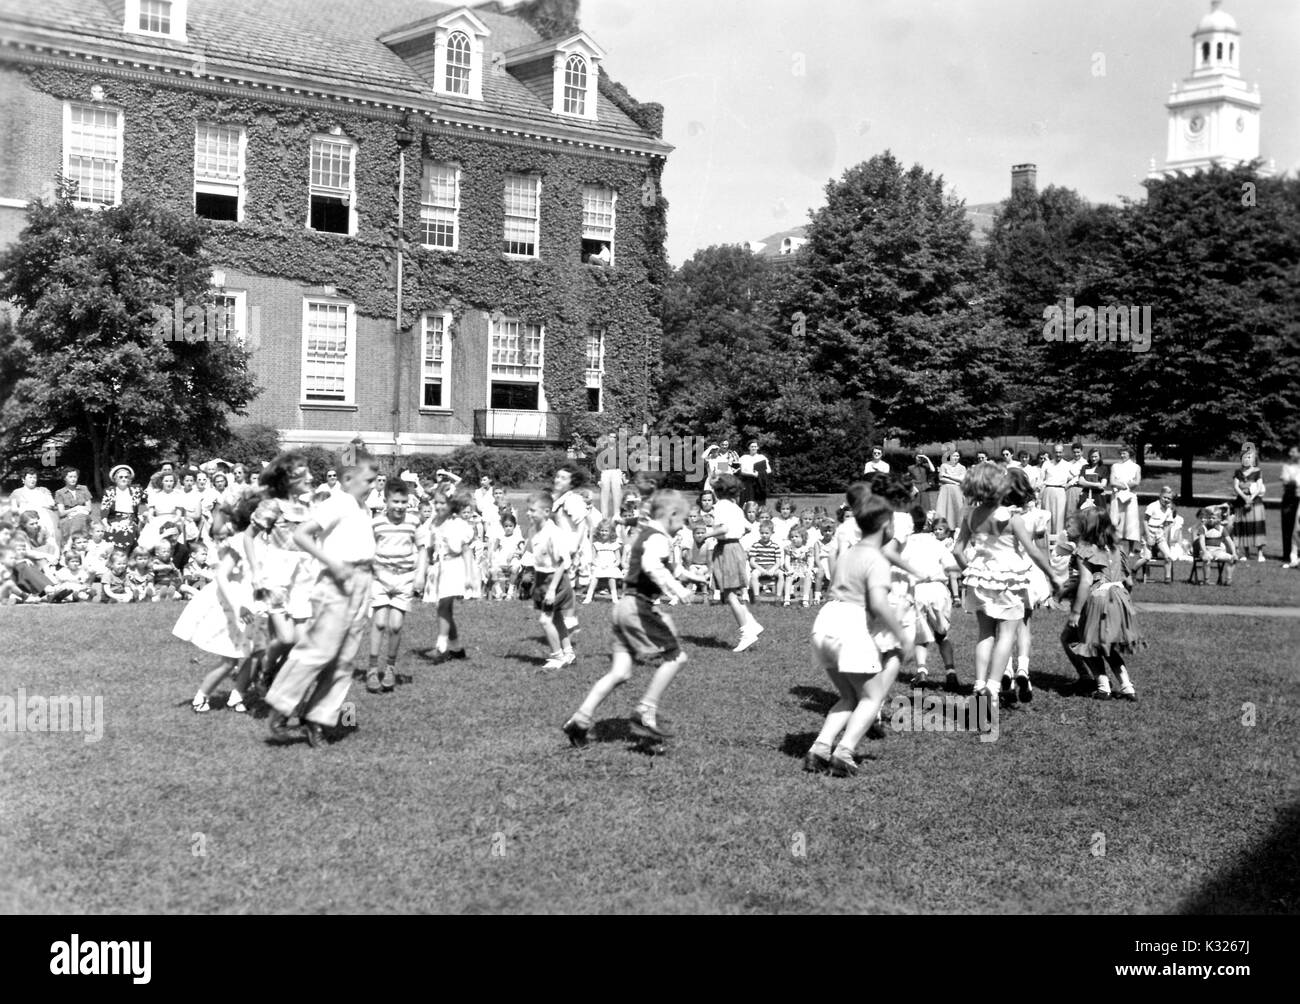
340, 536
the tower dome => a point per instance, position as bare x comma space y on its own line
1217, 20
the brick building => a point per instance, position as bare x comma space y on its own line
433, 225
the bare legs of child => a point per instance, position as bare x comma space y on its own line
750, 629
385, 640
861, 698
996, 639
620, 672
558, 638
1019, 689
235, 702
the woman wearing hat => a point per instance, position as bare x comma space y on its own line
120, 508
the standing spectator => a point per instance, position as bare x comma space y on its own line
1073, 492
1057, 475
877, 464
1008, 459
32, 498
1290, 503
721, 459
1248, 504
1093, 480
611, 477
1124, 512
73, 502
753, 472
981, 457
923, 474
120, 508
951, 476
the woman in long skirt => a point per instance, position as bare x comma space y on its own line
1248, 504
951, 476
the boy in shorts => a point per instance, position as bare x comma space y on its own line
552, 551
641, 632
398, 564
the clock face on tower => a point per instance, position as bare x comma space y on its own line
1196, 124
1241, 123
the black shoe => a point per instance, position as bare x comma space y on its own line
315, 734
1006, 692
640, 728
576, 732
1101, 695
458, 653
435, 657
877, 730
278, 725
1023, 690
815, 763
950, 682
841, 767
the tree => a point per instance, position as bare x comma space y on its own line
85, 356
1215, 259
897, 306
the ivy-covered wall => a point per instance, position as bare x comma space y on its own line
557, 290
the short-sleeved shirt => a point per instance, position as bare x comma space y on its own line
395, 547
765, 555
549, 547
857, 572
347, 529
731, 518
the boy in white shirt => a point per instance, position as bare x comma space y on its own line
339, 534
931, 596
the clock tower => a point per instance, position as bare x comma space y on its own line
1213, 117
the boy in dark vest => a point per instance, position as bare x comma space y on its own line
642, 632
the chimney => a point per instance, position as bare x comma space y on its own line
1024, 176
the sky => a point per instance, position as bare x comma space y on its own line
768, 100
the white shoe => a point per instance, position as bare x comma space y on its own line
570, 658
555, 662
747, 639
1261, 556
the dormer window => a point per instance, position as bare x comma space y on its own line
159, 18
446, 50
562, 73
460, 63
575, 86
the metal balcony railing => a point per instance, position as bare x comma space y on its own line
508, 427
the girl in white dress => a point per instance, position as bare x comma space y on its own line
996, 577
223, 618
450, 541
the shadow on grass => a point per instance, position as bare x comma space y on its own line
796, 744
530, 660
612, 730
816, 699
707, 641
1267, 881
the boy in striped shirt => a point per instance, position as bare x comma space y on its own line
397, 553
764, 562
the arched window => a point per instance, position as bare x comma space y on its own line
458, 63
1232, 51
1218, 51
1205, 52
575, 86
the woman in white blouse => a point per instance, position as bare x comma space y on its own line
1125, 476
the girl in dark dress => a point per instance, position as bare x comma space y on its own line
1093, 480
1248, 504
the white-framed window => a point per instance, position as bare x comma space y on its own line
92, 153
435, 361
515, 371
333, 185
440, 206
458, 44
595, 367
523, 199
460, 63
598, 224
219, 171
232, 316
575, 85
329, 340
160, 18
575, 71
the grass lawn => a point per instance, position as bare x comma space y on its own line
459, 793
